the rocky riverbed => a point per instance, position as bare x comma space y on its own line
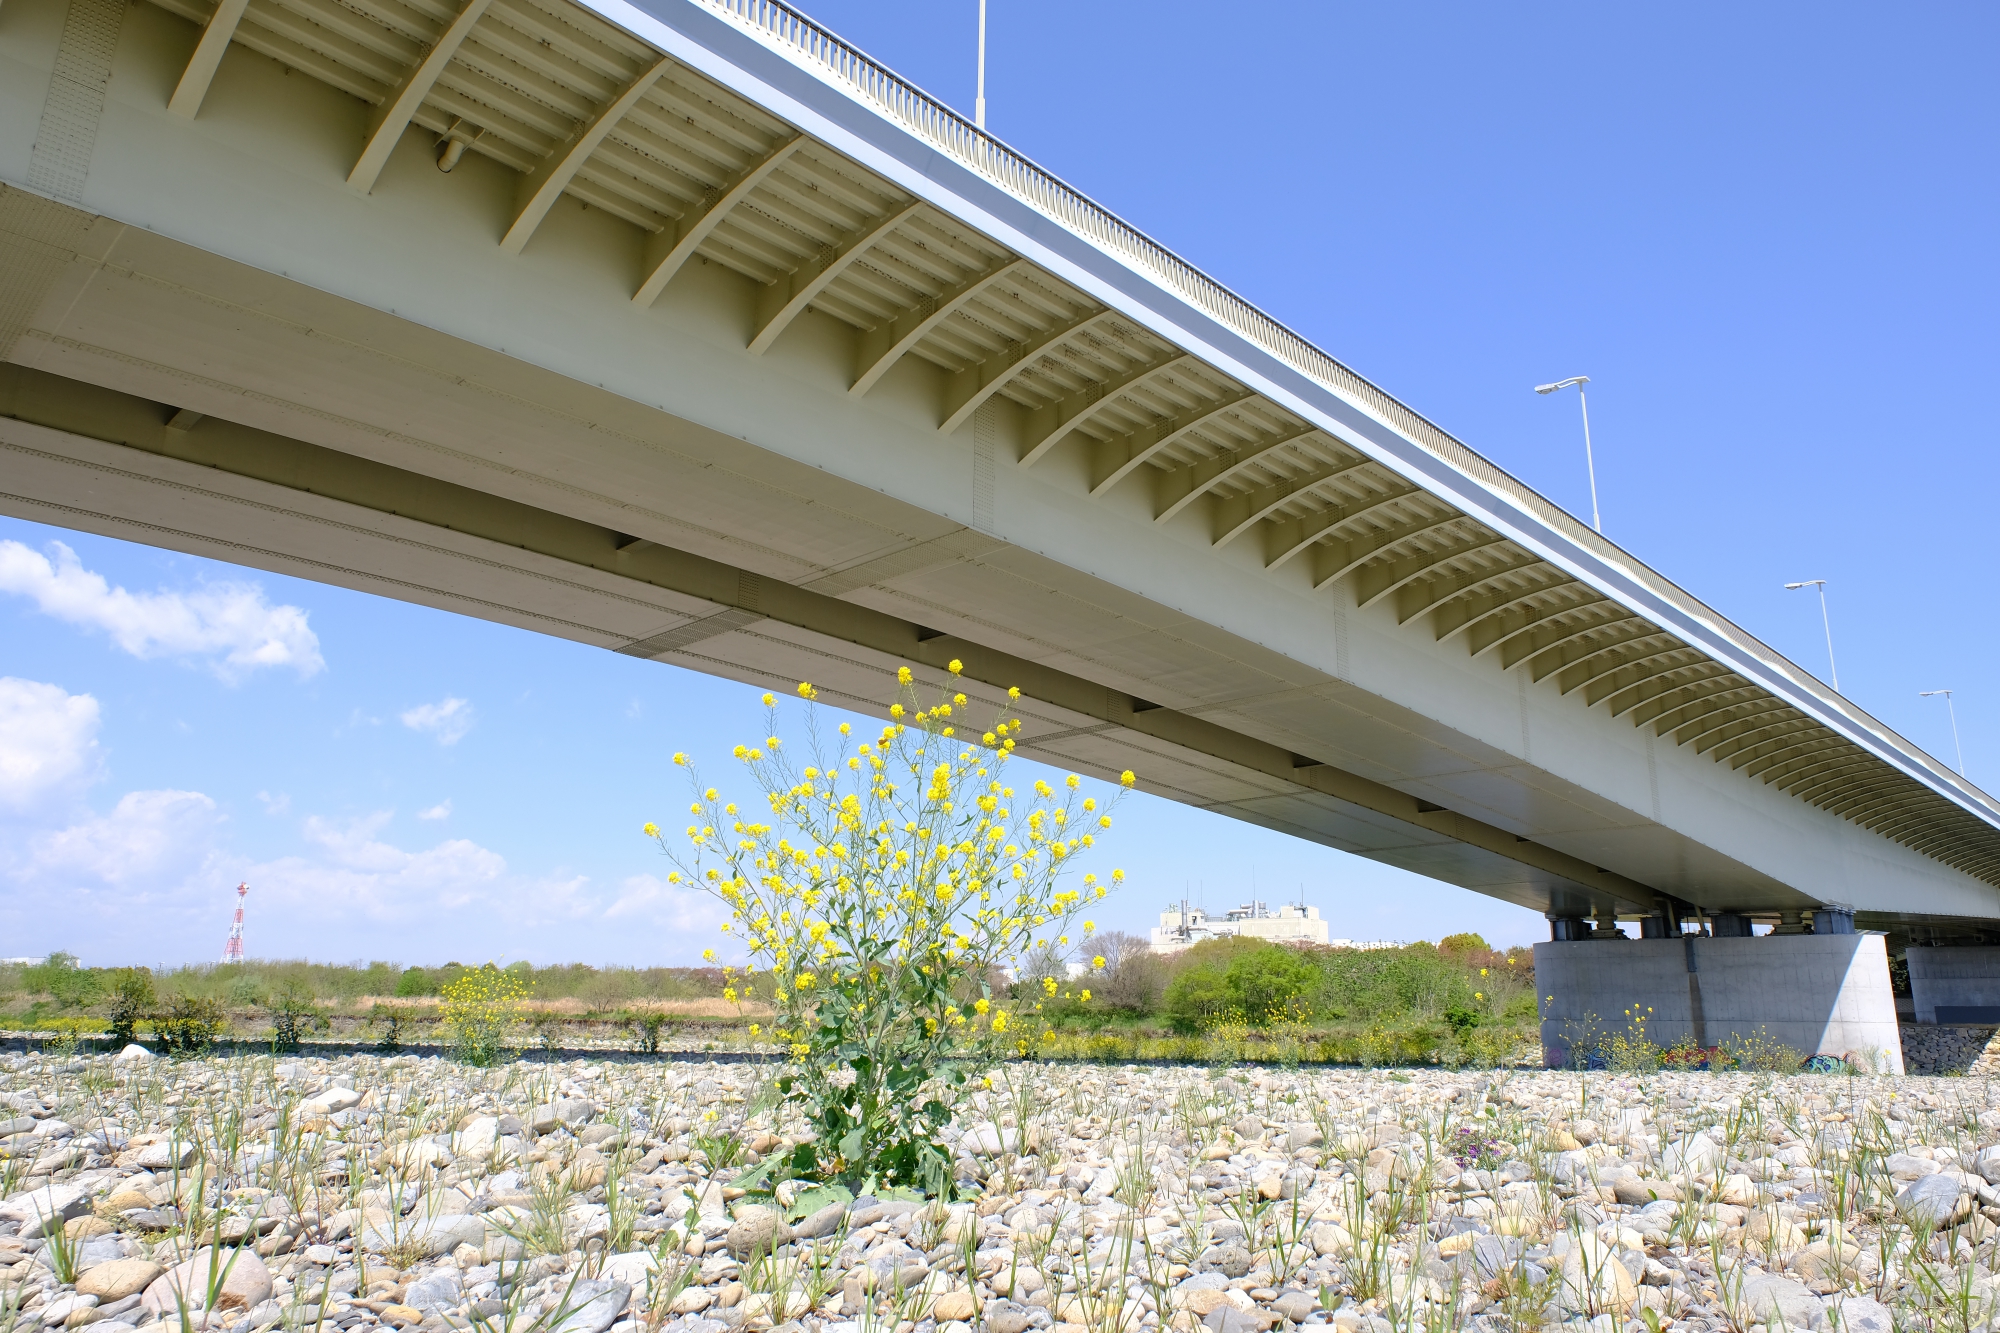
308, 1194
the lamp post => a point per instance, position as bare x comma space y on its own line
1588, 461
1824, 620
1952, 712
979, 102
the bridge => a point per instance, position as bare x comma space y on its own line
684, 329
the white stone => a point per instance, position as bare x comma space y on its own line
330, 1100
477, 1138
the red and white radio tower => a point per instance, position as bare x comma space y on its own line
232, 948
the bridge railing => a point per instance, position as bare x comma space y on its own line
945, 129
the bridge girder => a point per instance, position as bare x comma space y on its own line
1112, 372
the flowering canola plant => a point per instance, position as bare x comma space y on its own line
482, 1009
876, 888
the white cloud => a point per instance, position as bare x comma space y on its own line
275, 805
651, 899
149, 838
359, 872
442, 810
48, 740
228, 623
448, 720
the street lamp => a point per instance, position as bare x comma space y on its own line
979, 102
1579, 381
1824, 620
1951, 712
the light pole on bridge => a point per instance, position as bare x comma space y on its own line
1952, 712
979, 102
1824, 620
1588, 461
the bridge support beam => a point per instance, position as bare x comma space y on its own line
1955, 984
1820, 994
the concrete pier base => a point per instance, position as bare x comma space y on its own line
1818, 994
1955, 984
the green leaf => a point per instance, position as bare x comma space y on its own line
755, 1174
810, 1201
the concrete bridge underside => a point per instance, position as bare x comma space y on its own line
803, 395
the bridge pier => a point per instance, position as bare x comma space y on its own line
1826, 993
1955, 984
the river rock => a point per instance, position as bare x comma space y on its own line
245, 1282
119, 1278
756, 1230
1936, 1201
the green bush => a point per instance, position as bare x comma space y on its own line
189, 1026
413, 983
389, 1019
1199, 998
1268, 982
294, 1015
131, 1000
1250, 980
59, 977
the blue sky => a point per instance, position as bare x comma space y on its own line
1764, 233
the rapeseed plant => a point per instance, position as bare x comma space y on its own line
876, 888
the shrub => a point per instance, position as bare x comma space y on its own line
293, 1016
482, 1010
1199, 998
1270, 981
892, 876
131, 1000
71, 987
390, 1017
414, 982
1240, 979
189, 1026
646, 1027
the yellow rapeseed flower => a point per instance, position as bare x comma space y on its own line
650, 829
956, 666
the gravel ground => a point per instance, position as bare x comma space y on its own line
576, 1198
